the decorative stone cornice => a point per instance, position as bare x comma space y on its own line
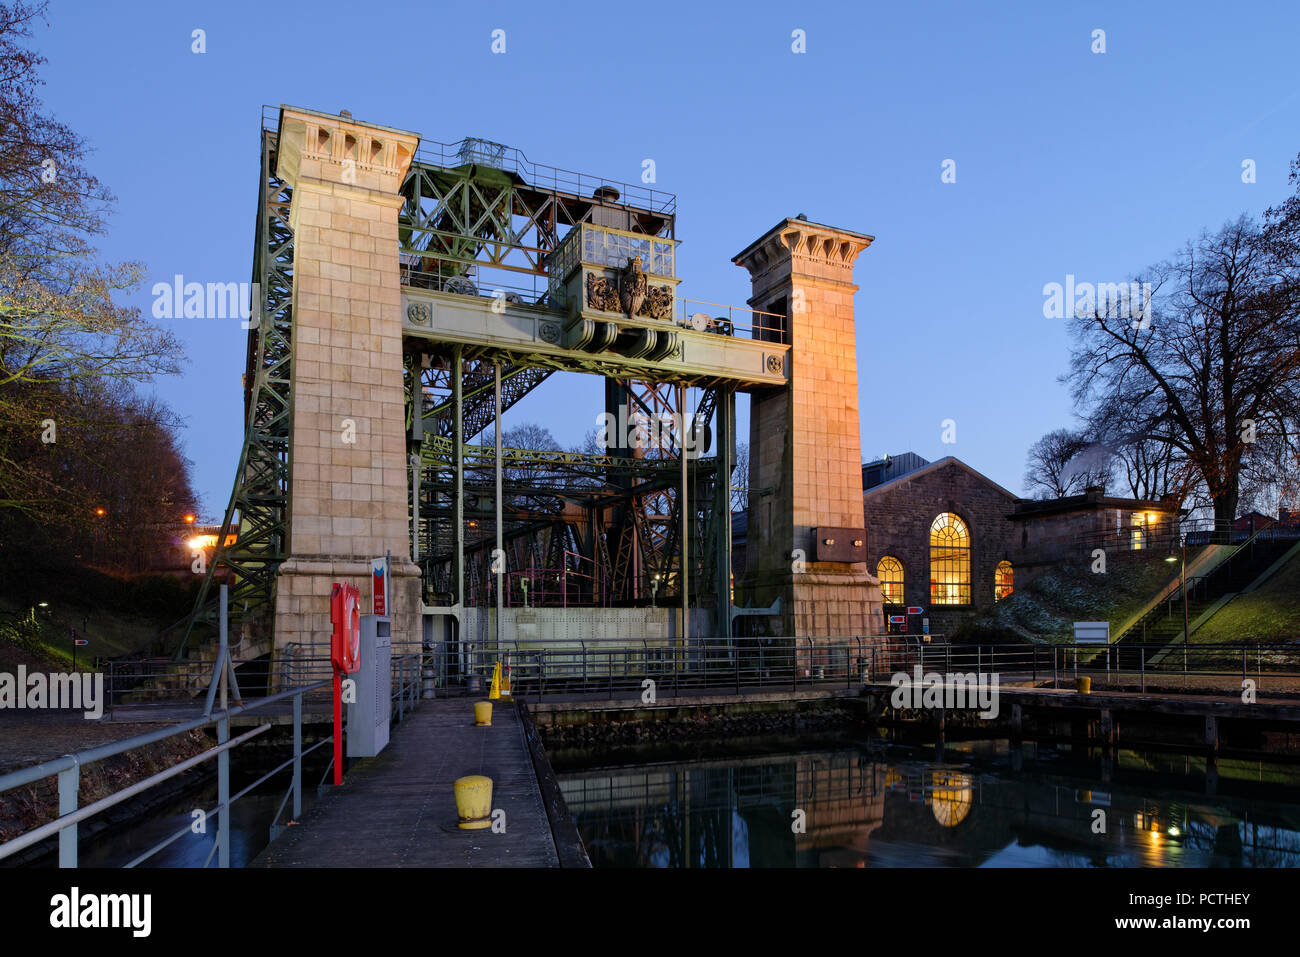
341, 150
803, 244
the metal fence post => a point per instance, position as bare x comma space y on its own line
223, 793
69, 784
1142, 665
297, 756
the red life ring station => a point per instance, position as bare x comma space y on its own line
345, 616
345, 655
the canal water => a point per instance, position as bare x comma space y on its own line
973, 804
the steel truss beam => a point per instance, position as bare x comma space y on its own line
259, 500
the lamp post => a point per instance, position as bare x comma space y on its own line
1182, 542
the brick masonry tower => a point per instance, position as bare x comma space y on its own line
806, 541
347, 440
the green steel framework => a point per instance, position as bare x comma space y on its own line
260, 498
491, 210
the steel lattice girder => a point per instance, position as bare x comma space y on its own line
469, 215
477, 403
539, 483
260, 497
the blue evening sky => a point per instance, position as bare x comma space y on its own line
1067, 161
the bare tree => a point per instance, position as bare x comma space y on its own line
740, 479
1212, 366
1064, 462
61, 331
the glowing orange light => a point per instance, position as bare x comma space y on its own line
189, 519
100, 512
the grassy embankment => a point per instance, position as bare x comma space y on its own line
1047, 608
115, 615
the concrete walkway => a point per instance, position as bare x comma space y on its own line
398, 809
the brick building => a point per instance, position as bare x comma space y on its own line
938, 537
946, 538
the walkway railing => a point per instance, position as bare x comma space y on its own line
612, 667
405, 694
1212, 667
539, 669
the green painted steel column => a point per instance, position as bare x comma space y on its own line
684, 513
499, 556
726, 456
458, 469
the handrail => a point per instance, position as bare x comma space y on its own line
1177, 584
68, 767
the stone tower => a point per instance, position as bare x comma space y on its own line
806, 541
347, 439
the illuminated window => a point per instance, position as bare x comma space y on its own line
949, 561
1002, 581
1139, 532
890, 572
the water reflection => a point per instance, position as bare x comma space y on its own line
983, 805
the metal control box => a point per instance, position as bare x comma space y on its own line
369, 715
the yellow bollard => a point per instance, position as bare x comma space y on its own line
1083, 685
483, 714
473, 802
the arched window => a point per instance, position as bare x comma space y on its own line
1003, 580
890, 572
949, 561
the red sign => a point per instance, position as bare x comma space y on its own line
379, 585
80, 641
898, 619
915, 610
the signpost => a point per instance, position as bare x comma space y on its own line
898, 619
379, 581
76, 643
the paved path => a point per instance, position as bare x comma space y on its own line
398, 809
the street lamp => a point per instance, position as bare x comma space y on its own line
1182, 542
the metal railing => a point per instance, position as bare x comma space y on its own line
736, 321
407, 673
539, 668
1211, 666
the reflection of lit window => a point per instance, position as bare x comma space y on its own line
890, 572
949, 561
1002, 581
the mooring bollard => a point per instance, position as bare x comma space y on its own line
483, 714
473, 802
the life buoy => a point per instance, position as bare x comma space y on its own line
345, 616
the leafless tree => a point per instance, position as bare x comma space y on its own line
1213, 366
1064, 462
740, 479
